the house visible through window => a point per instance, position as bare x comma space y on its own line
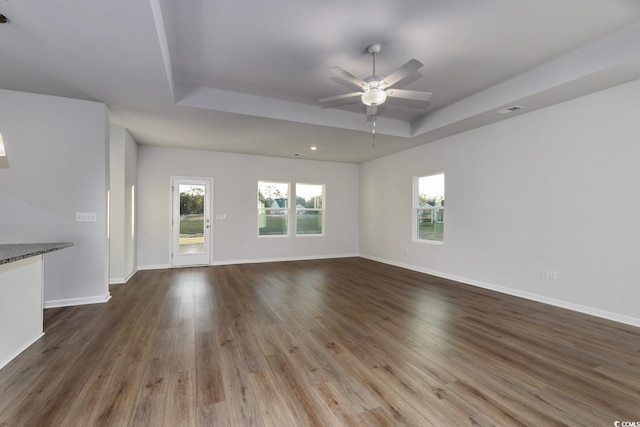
429, 207
309, 209
273, 208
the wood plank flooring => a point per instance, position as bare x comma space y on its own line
342, 342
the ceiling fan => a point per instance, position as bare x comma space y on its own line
374, 90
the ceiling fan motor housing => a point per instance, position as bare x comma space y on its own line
374, 81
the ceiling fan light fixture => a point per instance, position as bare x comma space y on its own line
374, 96
373, 90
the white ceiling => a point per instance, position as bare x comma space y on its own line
245, 76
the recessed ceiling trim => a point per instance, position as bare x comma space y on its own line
156, 9
616, 52
240, 103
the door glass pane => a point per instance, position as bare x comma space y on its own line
191, 239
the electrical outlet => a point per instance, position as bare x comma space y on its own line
86, 217
548, 274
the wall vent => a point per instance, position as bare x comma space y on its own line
510, 109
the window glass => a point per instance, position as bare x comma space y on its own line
192, 200
273, 208
429, 208
309, 209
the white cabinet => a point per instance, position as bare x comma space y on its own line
20, 306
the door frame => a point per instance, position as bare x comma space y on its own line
176, 260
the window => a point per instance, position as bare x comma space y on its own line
429, 207
273, 208
309, 209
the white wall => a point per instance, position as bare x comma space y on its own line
557, 188
123, 152
56, 153
235, 195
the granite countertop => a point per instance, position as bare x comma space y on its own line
14, 252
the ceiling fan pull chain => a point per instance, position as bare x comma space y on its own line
373, 141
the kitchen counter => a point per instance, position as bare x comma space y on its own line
14, 252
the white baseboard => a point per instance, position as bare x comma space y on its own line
255, 260
592, 311
121, 280
77, 301
298, 258
3, 363
153, 267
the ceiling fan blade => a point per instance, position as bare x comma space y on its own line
409, 94
349, 77
402, 72
339, 97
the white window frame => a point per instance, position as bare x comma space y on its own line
265, 209
321, 210
416, 208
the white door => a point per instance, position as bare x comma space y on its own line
191, 221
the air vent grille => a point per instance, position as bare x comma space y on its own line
511, 109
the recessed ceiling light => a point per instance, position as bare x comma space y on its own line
3, 19
313, 148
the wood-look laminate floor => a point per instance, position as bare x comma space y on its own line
320, 343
